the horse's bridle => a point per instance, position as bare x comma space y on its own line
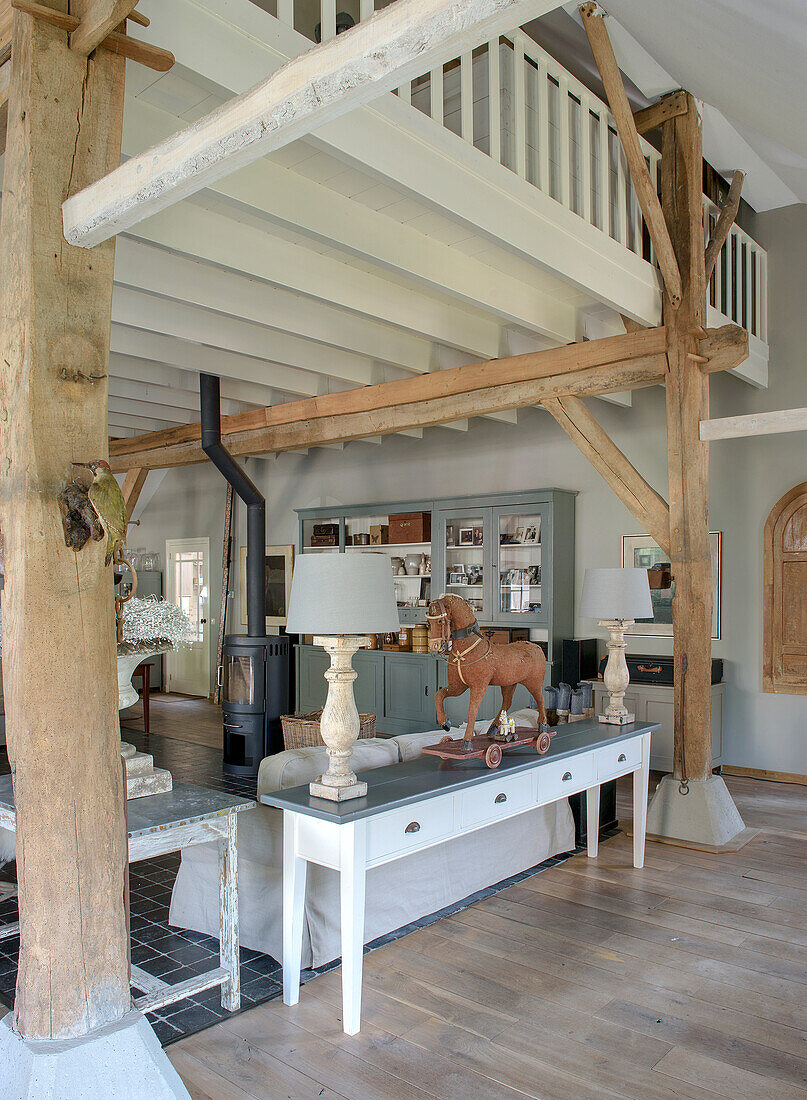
449, 636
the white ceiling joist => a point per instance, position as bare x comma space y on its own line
217, 239
397, 44
286, 198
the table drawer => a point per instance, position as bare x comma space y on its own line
565, 777
494, 799
410, 828
618, 759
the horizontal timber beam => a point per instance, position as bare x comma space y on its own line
649, 508
766, 423
393, 46
589, 369
650, 118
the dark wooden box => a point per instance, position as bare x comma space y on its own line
327, 529
325, 540
410, 527
651, 669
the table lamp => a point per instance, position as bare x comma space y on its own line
340, 599
616, 597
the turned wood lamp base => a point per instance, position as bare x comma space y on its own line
616, 677
340, 720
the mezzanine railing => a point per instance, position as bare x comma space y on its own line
513, 102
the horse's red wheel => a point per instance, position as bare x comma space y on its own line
542, 743
493, 757
445, 740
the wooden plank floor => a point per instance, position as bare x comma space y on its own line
592, 980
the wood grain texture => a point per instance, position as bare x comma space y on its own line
586, 369
97, 19
395, 46
611, 77
593, 985
649, 508
5, 85
726, 219
784, 595
63, 737
766, 423
687, 400
132, 488
650, 118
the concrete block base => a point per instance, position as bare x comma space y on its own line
705, 817
121, 1062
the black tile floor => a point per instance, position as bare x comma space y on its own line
175, 954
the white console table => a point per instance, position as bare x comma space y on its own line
422, 803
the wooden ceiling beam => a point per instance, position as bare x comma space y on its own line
642, 500
650, 118
764, 423
132, 488
395, 45
445, 383
432, 400
626, 128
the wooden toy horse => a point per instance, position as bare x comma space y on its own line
477, 663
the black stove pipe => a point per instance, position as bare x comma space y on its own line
210, 405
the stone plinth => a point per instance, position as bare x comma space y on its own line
142, 777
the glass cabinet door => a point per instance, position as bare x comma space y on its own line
464, 536
520, 583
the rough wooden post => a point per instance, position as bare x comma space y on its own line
687, 456
64, 132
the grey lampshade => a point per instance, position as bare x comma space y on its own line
616, 594
342, 594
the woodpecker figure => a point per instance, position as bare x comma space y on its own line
108, 504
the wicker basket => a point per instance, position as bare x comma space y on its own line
301, 731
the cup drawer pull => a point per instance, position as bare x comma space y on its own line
566, 777
621, 758
500, 797
412, 827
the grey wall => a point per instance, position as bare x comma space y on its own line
747, 478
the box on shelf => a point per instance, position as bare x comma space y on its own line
655, 669
379, 534
325, 540
361, 539
410, 527
327, 529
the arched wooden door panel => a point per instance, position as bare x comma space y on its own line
784, 652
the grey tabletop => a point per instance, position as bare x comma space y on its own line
428, 776
184, 805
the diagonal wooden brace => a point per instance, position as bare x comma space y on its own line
650, 509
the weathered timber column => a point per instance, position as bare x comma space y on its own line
699, 811
64, 132
687, 457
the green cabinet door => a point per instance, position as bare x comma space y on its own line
312, 687
368, 687
410, 681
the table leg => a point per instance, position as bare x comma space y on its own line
294, 874
641, 780
592, 821
353, 849
228, 916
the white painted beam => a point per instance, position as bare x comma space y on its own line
152, 372
764, 423
394, 46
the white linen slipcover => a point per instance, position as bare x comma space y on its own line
398, 893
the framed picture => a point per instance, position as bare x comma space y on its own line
520, 533
532, 532
451, 535
457, 578
279, 564
478, 534
466, 536
641, 552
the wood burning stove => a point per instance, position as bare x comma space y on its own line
255, 668
255, 692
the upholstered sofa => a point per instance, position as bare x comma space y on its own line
397, 893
